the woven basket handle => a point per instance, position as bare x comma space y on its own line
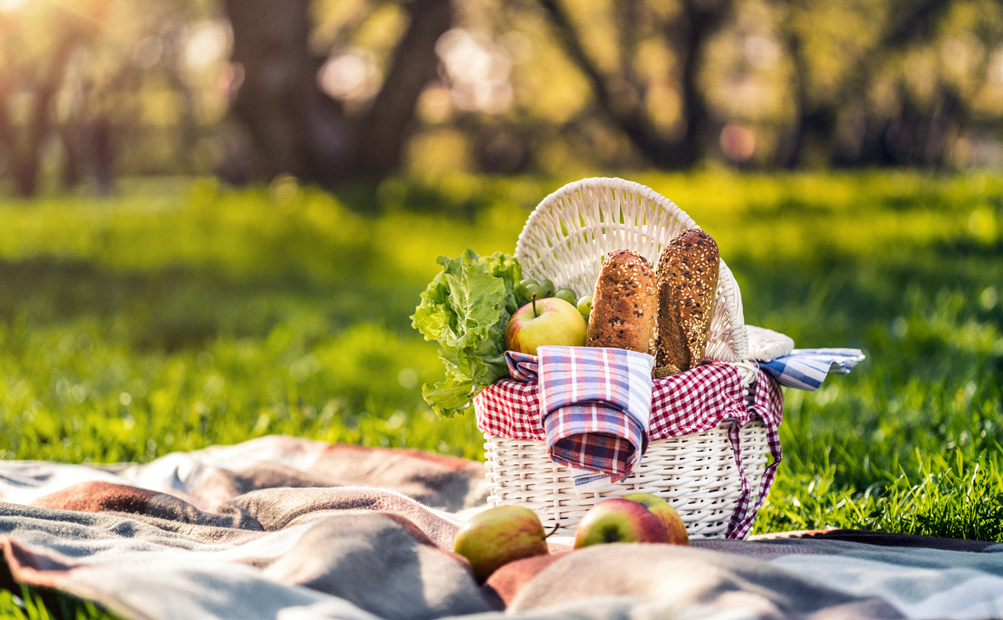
570, 231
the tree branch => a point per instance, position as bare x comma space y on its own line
909, 25
385, 127
906, 26
631, 121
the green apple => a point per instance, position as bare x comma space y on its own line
542, 322
663, 510
567, 295
585, 306
497, 536
619, 520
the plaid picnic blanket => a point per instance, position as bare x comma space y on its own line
291, 529
693, 401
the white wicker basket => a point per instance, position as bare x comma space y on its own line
565, 239
695, 473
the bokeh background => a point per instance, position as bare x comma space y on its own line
216, 217
338, 91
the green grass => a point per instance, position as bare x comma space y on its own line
30, 605
175, 317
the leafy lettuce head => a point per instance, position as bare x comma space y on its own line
466, 309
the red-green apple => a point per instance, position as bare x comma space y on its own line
619, 520
663, 510
499, 535
544, 322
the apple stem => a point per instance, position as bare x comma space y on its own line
557, 526
535, 313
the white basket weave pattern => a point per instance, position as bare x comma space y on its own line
695, 473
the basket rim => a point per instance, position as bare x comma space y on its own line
739, 341
624, 184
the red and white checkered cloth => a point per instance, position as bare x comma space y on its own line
688, 402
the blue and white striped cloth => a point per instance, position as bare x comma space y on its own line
806, 369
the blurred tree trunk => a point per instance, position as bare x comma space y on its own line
883, 140
700, 20
41, 78
814, 119
6, 131
298, 129
621, 96
914, 136
28, 148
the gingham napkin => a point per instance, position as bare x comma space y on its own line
696, 400
806, 369
594, 407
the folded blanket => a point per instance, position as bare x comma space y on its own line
594, 408
267, 529
806, 369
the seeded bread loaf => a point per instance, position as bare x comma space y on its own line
687, 284
624, 304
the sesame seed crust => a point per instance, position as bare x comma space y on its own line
686, 280
624, 304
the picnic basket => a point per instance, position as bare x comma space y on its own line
564, 239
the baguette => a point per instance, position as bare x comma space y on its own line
624, 304
686, 279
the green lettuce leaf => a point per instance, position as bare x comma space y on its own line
466, 309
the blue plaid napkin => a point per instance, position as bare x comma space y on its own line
806, 369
